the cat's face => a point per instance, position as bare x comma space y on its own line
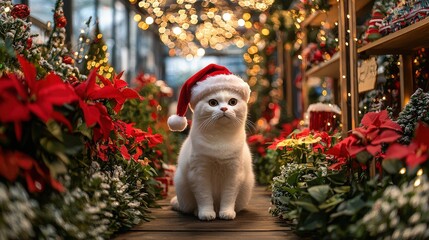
221, 108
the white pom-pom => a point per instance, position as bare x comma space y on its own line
177, 123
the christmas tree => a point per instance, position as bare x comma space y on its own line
97, 55
416, 110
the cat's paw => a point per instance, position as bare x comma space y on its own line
227, 215
207, 215
174, 203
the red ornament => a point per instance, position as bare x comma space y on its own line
29, 43
68, 60
318, 55
20, 11
61, 21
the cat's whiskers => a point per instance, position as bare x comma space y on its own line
207, 121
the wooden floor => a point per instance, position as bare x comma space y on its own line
253, 223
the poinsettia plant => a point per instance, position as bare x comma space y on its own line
367, 142
80, 170
266, 160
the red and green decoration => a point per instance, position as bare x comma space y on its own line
75, 168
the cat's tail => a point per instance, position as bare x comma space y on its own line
175, 203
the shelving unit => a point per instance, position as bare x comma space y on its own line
329, 68
343, 66
403, 41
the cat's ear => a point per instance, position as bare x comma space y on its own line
177, 123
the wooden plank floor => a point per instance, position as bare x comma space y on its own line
252, 223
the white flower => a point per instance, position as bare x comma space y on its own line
414, 218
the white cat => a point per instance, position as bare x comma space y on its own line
214, 177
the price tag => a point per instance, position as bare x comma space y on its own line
367, 75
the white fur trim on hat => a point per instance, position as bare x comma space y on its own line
220, 82
177, 123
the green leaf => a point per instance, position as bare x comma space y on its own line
342, 189
363, 157
51, 146
73, 144
292, 191
392, 166
312, 222
55, 129
56, 168
331, 202
307, 206
293, 179
320, 193
350, 207
338, 178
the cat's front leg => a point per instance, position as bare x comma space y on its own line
228, 197
202, 190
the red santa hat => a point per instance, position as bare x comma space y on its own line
208, 80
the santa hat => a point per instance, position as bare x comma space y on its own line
208, 80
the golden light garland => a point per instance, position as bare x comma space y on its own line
188, 27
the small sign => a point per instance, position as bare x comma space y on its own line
367, 75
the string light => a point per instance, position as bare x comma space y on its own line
188, 25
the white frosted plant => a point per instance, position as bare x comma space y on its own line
402, 212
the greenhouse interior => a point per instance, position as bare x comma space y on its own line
214, 119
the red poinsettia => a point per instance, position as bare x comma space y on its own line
341, 152
377, 128
123, 91
144, 79
414, 154
22, 97
37, 176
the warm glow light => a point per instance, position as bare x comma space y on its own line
417, 182
149, 20
137, 17
246, 16
201, 52
226, 16
265, 32
241, 22
177, 30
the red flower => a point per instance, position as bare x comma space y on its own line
257, 138
36, 175
95, 112
153, 139
19, 98
125, 93
414, 154
341, 152
377, 128
20, 11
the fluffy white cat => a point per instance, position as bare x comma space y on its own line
214, 176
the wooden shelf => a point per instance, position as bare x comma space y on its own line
403, 41
330, 68
330, 16
361, 4
316, 18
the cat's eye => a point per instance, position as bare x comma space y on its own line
213, 102
232, 102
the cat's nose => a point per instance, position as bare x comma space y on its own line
223, 109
